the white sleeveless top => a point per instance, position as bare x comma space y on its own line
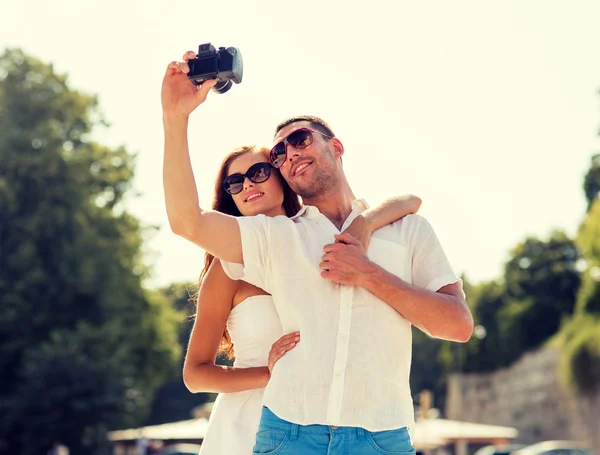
253, 326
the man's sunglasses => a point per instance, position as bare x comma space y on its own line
299, 139
257, 173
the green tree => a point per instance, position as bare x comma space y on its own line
427, 371
173, 401
521, 311
589, 243
82, 345
432, 358
542, 281
491, 349
580, 354
580, 337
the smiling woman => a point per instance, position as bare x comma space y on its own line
256, 187
246, 184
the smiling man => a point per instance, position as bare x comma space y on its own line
345, 388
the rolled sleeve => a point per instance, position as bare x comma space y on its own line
430, 266
255, 252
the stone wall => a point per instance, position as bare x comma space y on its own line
527, 396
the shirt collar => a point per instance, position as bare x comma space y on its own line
310, 211
359, 205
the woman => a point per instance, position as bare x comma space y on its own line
234, 313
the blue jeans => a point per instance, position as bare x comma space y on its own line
276, 436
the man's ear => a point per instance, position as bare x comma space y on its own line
338, 147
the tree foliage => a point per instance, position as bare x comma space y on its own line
579, 341
580, 338
427, 369
522, 310
589, 243
82, 345
542, 281
173, 401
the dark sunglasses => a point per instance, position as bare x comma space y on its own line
257, 173
299, 139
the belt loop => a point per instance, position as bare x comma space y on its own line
360, 432
294, 432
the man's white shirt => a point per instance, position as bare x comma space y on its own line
352, 364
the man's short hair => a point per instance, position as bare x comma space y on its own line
317, 123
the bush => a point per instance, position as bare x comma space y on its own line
580, 354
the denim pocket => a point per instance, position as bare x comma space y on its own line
269, 442
391, 442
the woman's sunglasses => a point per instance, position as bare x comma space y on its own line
257, 173
299, 139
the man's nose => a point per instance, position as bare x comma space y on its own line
293, 153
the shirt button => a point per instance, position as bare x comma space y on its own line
337, 374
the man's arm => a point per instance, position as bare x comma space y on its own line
434, 302
216, 233
443, 314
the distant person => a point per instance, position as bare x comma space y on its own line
58, 449
141, 446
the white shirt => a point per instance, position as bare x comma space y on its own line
352, 364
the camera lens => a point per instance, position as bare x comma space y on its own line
223, 86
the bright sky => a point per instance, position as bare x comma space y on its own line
486, 110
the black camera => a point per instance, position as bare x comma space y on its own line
225, 65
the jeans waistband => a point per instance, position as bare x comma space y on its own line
271, 421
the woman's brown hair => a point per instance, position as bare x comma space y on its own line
223, 202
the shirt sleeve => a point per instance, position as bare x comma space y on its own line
256, 270
430, 266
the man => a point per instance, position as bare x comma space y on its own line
345, 387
